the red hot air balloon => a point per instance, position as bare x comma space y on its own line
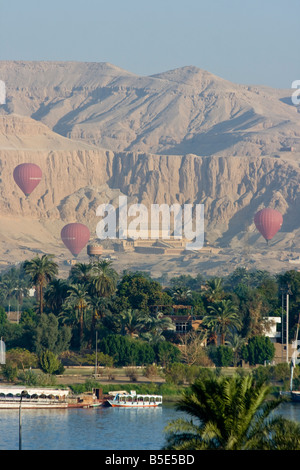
27, 176
268, 222
75, 236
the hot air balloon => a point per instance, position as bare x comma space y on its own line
27, 176
75, 236
268, 222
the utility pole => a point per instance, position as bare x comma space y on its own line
23, 394
96, 361
287, 327
287, 292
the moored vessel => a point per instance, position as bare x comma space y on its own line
11, 397
132, 400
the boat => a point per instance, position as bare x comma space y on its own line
295, 396
12, 397
132, 400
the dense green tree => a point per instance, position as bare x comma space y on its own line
138, 291
29, 317
253, 309
222, 356
3, 316
50, 336
187, 281
127, 351
166, 353
17, 335
259, 350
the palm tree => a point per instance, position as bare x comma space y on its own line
79, 299
132, 321
102, 284
236, 342
214, 289
283, 434
230, 412
41, 270
182, 295
8, 287
223, 316
81, 273
55, 295
104, 279
155, 325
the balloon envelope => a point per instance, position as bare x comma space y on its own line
27, 176
268, 222
75, 236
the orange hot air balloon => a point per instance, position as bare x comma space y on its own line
27, 176
268, 222
75, 236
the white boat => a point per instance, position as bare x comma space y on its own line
132, 400
10, 397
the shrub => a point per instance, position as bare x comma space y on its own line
259, 350
176, 374
166, 353
131, 372
151, 371
9, 372
49, 363
222, 356
36, 379
127, 351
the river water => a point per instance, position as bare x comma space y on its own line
95, 428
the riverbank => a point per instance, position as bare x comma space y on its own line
84, 379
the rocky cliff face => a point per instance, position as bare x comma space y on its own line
76, 180
181, 137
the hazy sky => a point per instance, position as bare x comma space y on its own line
245, 41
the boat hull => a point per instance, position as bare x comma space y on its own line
295, 396
26, 406
132, 405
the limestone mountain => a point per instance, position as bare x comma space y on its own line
186, 110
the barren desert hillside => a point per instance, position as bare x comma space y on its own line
186, 110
